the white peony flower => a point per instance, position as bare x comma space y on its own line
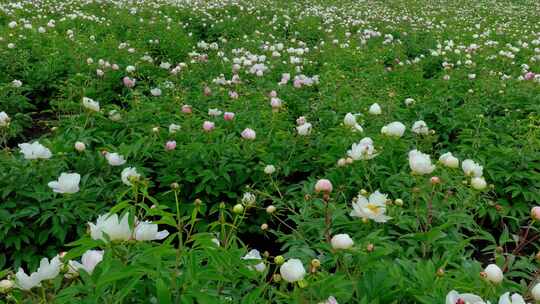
350, 121
27, 282
49, 270
449, 160
4, 119
292, 270
470, 168
304, 129
535, 292
129, 174
89, 261
364, 150
396, 129
409, 101
341, 241
372, 208
420, 127
90, 104
174, 128
66, 183
255, 255
453, 297
35, 150
248, 198
375, 109
420, 163
146, 231
478, 183
514, 299
330, 300
493, 273
269, 169
116, 229
214, 112
114, 159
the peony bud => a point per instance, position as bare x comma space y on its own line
80, 146
478, 183
341, 241
228, 116
186, 109
323, 185
370, 247
535, 213
493, 273
435, 180
269, 169
535, 292
248, 134
264, 226
238, 208
279, 260
270, 209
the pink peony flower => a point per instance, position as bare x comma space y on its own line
129, 82
228, 116
170, 145
248, 134
323, 185
208, 126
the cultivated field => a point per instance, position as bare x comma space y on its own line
270, 151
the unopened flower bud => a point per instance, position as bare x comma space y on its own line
440, 272
270, 209
435, 180
264, 226
279, 260
80, 146
276, 277
238, 208
535, 213
398, 202
323, 185
370, 247
175, 186
315, 263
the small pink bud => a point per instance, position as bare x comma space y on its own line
273, 94
233, 95
248, 134
170, 145
208, 126
435, 180
297, 83
323, 185
186, 109
535, 213
228, 116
